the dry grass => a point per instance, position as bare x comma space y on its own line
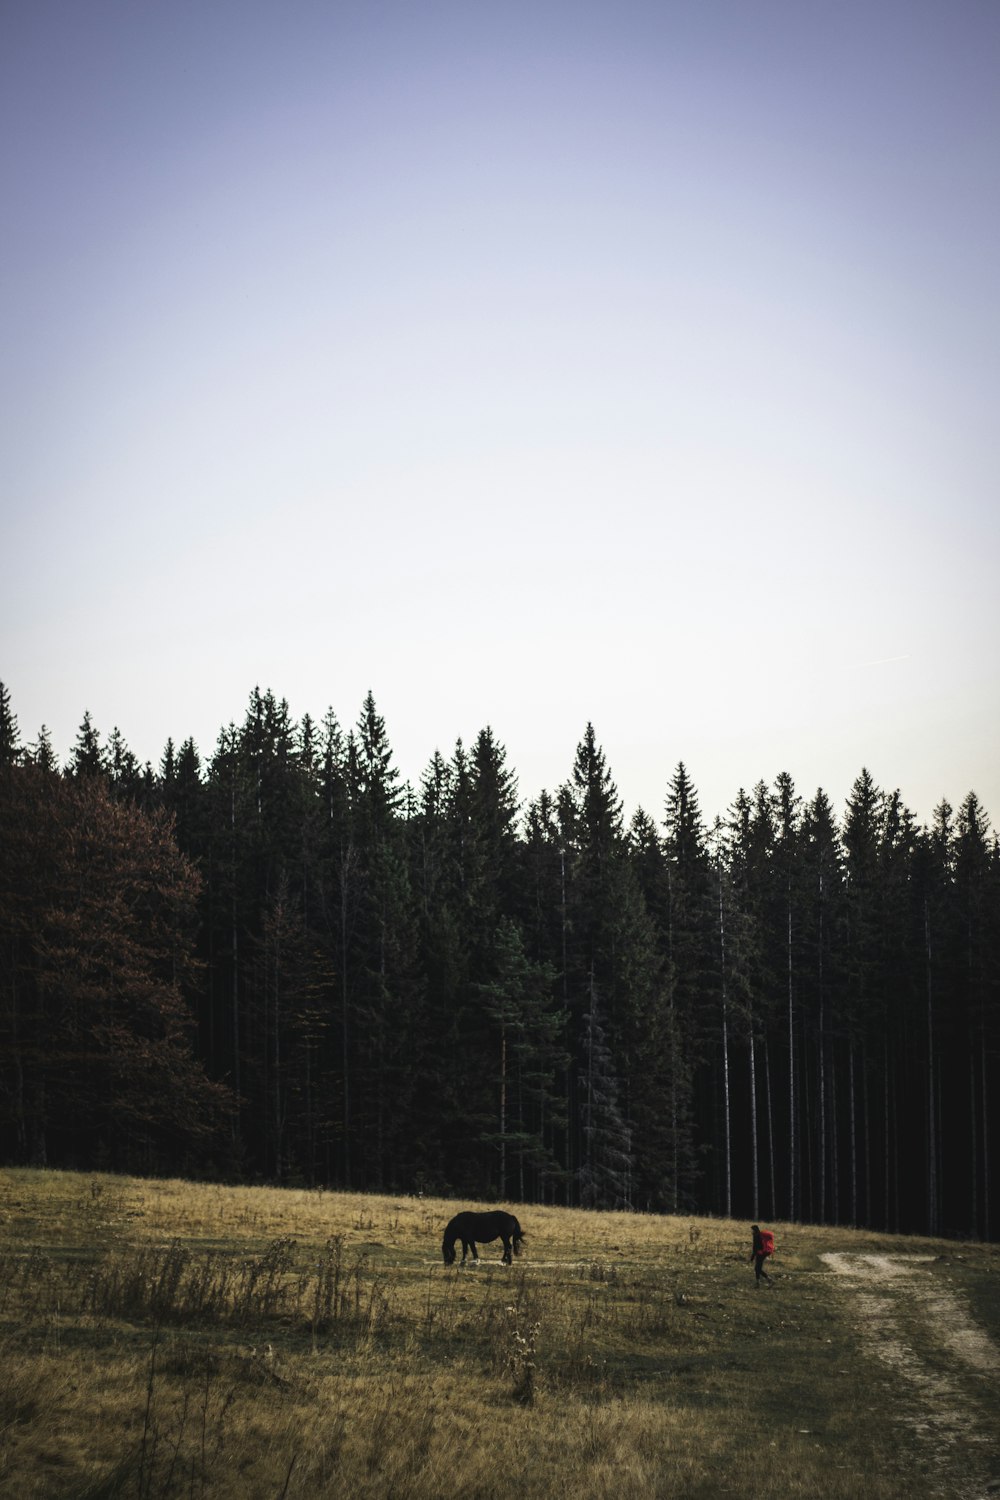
169, 1339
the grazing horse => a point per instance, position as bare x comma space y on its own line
470, 1227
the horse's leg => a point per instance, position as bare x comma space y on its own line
475, 1252
506, 1251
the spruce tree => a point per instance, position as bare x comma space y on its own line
689, 927
88, 757
973, 1045
605, 1172
822, 924
41, 753
10, 739
786, 940
747, 877
863, 838
527, 1026
385, 1041
125, 775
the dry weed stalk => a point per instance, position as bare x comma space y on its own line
191, 1342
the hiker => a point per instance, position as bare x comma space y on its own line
763, 1246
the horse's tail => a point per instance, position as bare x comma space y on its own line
517, 1237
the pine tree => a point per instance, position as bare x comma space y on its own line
896, 986
689, 928
88, 757
822, 933
185, 798
649, 1046
592, 844
124, 772
10, 739
749, 832
41, 753
378, 791
527, 1026
976, 1013
786, 804
491, 859
605, 1172
385, 1042
862, 837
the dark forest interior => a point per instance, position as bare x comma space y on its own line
283, 964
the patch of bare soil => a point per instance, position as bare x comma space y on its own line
948, 1390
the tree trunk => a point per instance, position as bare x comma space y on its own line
503, 1112
236, 968
754, 1166
728, 1192
822, 1064
852, 1111
770, 1129
346, 862
792, 1156
932, 1182
986, 1137
834, 1139
887, 1153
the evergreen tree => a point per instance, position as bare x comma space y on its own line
41, 753
822, 922
527, 1026
124, 772
10, 739
689, 927
88, 757
386, 1042
785, 937
491, 859
782, 1010
749, 842
592, 841
378, 792
185, 798
653, 1064
863, 838
605, 1173
975, 1014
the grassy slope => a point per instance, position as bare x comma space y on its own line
166, 1338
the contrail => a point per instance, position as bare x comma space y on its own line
883, 661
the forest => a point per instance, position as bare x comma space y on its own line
284, 964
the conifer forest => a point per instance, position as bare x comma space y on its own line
281, 963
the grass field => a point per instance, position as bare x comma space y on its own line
179, 1339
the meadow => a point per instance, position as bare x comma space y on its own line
173, 1339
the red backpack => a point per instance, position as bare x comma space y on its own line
766, 1242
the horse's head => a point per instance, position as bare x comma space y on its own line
448, 1251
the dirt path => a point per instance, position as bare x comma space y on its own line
944, 1370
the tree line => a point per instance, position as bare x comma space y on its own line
285, 963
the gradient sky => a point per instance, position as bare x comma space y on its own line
529, 364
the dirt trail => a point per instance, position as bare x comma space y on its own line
945, 1368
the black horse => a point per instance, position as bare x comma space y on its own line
470, 1227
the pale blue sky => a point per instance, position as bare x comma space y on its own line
528, 364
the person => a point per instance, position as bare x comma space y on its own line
758, 1257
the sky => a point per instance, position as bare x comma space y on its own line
530, 365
